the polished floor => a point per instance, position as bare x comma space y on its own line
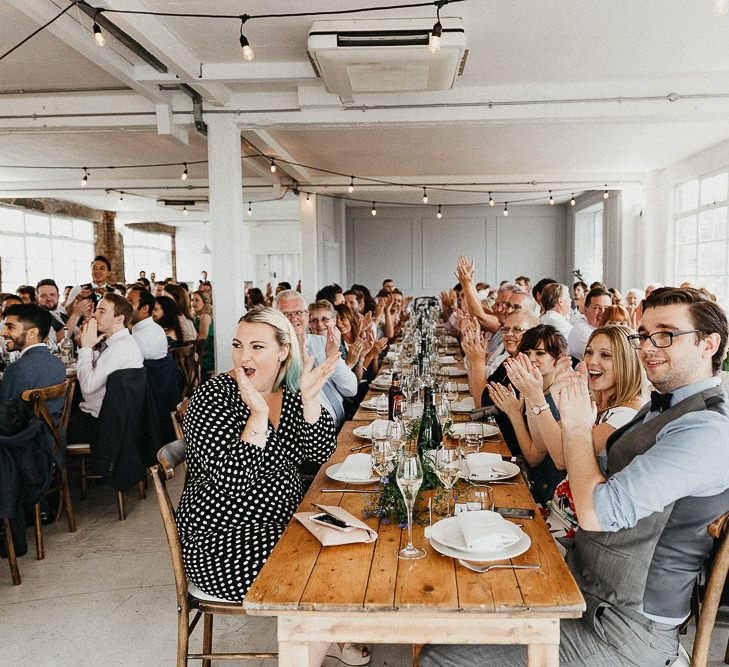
104, 595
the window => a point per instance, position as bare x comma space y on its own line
34, 246
589, 243
147, 251
700, 233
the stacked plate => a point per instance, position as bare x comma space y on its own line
365, 431
487, 467
355, 469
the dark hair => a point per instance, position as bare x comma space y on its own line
47, 282
329, 292
184, 286
387, 280
597, 284
121, 306
554, 342
28, 290
579, 283
144, 281
537, 289
169, 319
4, 298
31, 316
706, 315
160, 282
596, 292
101, 258
369, 302
284, 285
181, 298
358, 294
382, 293
255, 298
145, 298
345, 312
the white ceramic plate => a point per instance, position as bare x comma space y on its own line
454, 545
370, 403
510, 470
487, 430
365, 431
331, 472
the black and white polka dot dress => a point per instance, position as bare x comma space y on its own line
239, 498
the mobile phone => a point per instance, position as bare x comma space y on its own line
331, 522
515, 512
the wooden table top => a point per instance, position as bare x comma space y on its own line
302, 576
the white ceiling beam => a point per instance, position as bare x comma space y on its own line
273, 147
258, 72
166, 125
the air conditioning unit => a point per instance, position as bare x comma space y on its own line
386, 55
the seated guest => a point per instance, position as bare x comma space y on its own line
283, 285
25, 327
255, 298
643, 510
184, 311
165, 314
359, 342
332, 293
579, 290
596, 301
342, 381
204, 325
367, 305
355, 300
615, 314
524, 282
247, 432
533, 370
149, 335
108, 329
537, 292
515, 302
158, 288
388, 284
322, 320
26, 293
556, 303
47, 298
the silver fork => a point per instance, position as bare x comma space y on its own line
485, 568
356, 449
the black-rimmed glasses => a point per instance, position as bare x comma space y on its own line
658, 338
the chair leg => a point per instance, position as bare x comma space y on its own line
142, 490
183, 636
120, 502
40, 552
12, 558
416, 654
207, 646
66, 499
726, 656
84, 486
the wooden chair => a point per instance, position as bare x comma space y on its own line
10, 550
189, 597
199, 356
709, 606
186, 363
59, 476
177, 415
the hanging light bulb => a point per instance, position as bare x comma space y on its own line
85, 179
439, 214
374, 210
435, 33
183, 176
273, 167
121, 197
491, 200
572, 201
721, 7
248, 54
350, 189
425, 196
98, 35
184, 210
551, 199
250, 210
605, 194
506, 208
307, 196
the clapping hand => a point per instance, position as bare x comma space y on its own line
334, 337
505, 400
366, 323
572, 398
473, 342
313, 379
379, 345
89, 334
250, 395
356, 352
464, 270
525, 377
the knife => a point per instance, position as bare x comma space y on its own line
346, 491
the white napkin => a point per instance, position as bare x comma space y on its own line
383, 379
466, 405
463, 386
447, 359
371, 403
356, 467
481, 465
486, 531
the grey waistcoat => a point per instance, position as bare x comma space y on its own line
652, 566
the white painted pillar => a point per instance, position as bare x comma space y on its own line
228, 232
309, 247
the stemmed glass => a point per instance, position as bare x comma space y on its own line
450, 391
409, 478
383, 454
397, 434
448, 469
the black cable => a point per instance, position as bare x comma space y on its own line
36, 31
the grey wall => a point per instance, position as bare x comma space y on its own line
419, 252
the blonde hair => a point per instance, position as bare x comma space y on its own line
292, 366
627, 369
207, 308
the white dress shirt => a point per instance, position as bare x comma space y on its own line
343, 382
151, 338
577, 341
122, 352
559, 322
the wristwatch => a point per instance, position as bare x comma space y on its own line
537, 410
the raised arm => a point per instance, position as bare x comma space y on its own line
464, 273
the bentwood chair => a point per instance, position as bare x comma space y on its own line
709, 606
187, 364
189, 597
177, 415
59, 476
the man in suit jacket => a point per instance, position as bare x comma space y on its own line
25, 327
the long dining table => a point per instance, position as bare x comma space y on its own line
363, 593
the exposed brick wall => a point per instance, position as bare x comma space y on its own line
58, 207
109, 242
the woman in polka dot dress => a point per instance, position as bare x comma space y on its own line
247, 432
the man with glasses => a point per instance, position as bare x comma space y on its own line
343, 382
645, 505
514, 303
597, 301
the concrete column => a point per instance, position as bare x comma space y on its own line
228, 233
309, 247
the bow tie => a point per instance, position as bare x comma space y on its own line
660, 402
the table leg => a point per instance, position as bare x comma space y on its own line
543, 655
301, 654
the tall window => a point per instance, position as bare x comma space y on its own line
589, 243
701, 233
147, 251
34, 246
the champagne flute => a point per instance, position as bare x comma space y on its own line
382, 456
396, 434
448, 469
450, 391
409, 478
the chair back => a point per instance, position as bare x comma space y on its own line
37, 399
199, 356
169, 457
177, 415
719, 530
185, 359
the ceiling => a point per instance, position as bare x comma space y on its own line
561, 95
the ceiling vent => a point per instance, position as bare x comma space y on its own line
386, 55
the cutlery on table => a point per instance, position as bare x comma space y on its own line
356, 449
485, 568
345, 490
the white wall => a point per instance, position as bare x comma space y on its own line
189, 242
419, 252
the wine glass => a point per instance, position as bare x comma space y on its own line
480, 497
397, 434
382, 456
448, 469
409, 478
450, 390
474, 435
381, 404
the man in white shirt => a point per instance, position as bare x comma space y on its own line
557, 305
100, 272
149, 335
118, 350
596, 302
343, 381
516, 302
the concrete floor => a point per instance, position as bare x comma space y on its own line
105, 595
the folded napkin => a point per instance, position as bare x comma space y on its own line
371, 403
331, 537
466, 405
447, 359
482, 465
356, 467
383, 379
487, 531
